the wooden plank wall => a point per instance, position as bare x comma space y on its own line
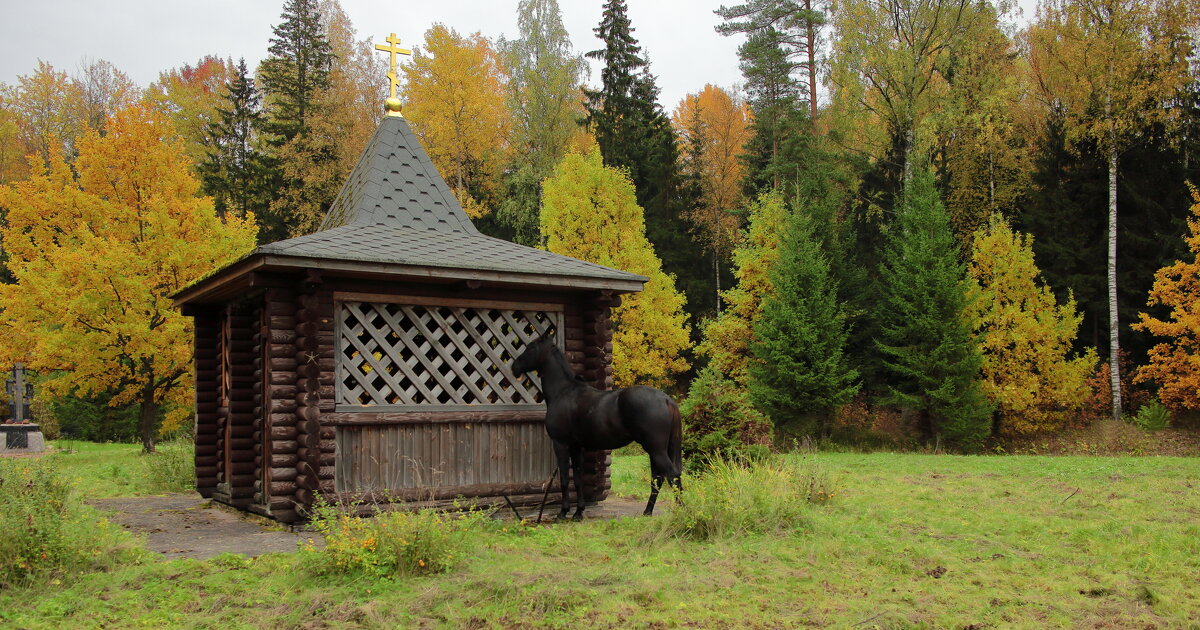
443, 457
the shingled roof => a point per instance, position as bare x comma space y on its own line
396, 214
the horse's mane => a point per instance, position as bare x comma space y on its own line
559, 360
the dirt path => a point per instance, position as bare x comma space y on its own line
187, 526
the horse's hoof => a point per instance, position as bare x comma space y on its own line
648, 513
578, 516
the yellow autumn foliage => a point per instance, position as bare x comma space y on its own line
590, 212
727, 338
455, 102
1175, 364
1024, 334
96, 256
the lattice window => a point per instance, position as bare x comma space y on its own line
413, 356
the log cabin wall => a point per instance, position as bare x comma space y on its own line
207, 352
276, 425
238, 408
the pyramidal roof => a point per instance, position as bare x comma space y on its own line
395, 184
395, 208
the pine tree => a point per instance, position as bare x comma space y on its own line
931, 363
802, 372
781, 40
233, 171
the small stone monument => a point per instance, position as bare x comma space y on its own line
17, 434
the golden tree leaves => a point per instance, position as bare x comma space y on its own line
590, 212
1024, 334
727, 339
713, 129
96, 257
455, 100
1175, 364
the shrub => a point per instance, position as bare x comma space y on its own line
735, 499
1153, 416
719, 421
388, 544
47, 531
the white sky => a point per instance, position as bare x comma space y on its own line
144, 37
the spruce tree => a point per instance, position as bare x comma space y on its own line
931, 363
802, 372
296, 70
232, 171
635, 134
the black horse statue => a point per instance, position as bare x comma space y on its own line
580, 417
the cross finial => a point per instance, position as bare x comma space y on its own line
392, 104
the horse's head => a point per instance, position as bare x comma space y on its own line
534, 355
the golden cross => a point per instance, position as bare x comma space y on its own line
392, 105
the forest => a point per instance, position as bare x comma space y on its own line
914, 222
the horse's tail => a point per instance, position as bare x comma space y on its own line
675, 444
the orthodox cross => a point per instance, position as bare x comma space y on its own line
392, 104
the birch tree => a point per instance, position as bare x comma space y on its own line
1110, 65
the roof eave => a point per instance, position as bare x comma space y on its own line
212, 288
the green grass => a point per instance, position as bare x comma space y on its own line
909, 541
122, 470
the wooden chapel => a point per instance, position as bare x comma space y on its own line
369, 361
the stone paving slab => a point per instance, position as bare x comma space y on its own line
185, 525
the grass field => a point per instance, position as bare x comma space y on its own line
908, 541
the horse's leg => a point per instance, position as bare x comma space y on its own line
660, 467
577, 462
563, 453
677, 483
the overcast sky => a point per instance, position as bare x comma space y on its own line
144, 37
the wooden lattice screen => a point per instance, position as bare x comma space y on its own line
432, 356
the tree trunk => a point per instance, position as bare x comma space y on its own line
1114, 359
717, 277
148, 418
908, 151
811, 36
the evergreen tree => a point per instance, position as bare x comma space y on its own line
544, 77
293, 78
802, 371
232, 171
931, 363
781, 41
296, 70
635, 134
